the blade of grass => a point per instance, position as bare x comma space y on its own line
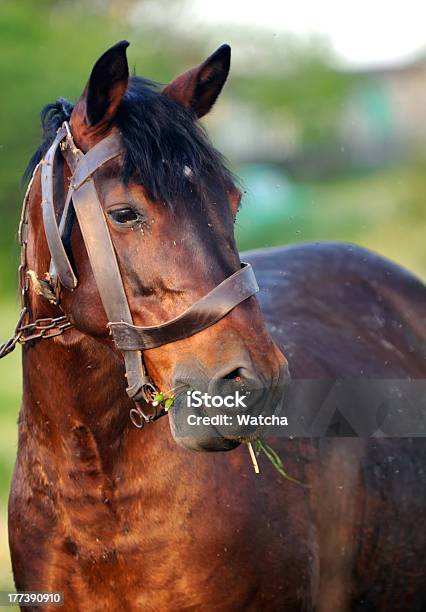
253, 458
275, 459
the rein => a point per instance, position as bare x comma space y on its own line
130, 339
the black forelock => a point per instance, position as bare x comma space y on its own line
162, 140
52, 117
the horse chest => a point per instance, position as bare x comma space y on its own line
177, 553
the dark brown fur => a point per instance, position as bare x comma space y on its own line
120, 519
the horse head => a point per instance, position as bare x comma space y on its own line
169, 203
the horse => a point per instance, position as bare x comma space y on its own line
118, 517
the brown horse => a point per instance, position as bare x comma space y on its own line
122, 519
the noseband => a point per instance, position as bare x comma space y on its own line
130, 339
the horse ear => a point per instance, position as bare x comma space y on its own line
105, 88
199, 87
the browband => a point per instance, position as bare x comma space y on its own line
129, 339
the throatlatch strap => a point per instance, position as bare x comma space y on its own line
203, 313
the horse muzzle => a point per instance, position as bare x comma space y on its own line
227, 410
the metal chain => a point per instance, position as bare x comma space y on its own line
8, 346
40, 328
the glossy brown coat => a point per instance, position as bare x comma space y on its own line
120, 519
116, 517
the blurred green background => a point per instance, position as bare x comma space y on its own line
323, 152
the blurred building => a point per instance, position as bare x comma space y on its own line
381, 122
385, 118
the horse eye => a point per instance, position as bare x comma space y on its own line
124, 216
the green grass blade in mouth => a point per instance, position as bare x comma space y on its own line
275, 459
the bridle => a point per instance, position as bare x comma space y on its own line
130, 339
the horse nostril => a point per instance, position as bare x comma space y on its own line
233, 375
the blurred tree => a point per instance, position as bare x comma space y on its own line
47, 49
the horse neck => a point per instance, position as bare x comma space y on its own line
77, 444
72, 384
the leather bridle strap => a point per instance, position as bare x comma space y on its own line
103, 260
107, 149
96, 237
203, 313
60, 261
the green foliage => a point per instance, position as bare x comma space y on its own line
384, 211
47, 50
10, 394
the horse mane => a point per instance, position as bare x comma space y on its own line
162, 141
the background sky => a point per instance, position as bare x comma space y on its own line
363, 33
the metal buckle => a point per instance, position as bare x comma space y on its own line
70, 140
148, 391
137, 417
